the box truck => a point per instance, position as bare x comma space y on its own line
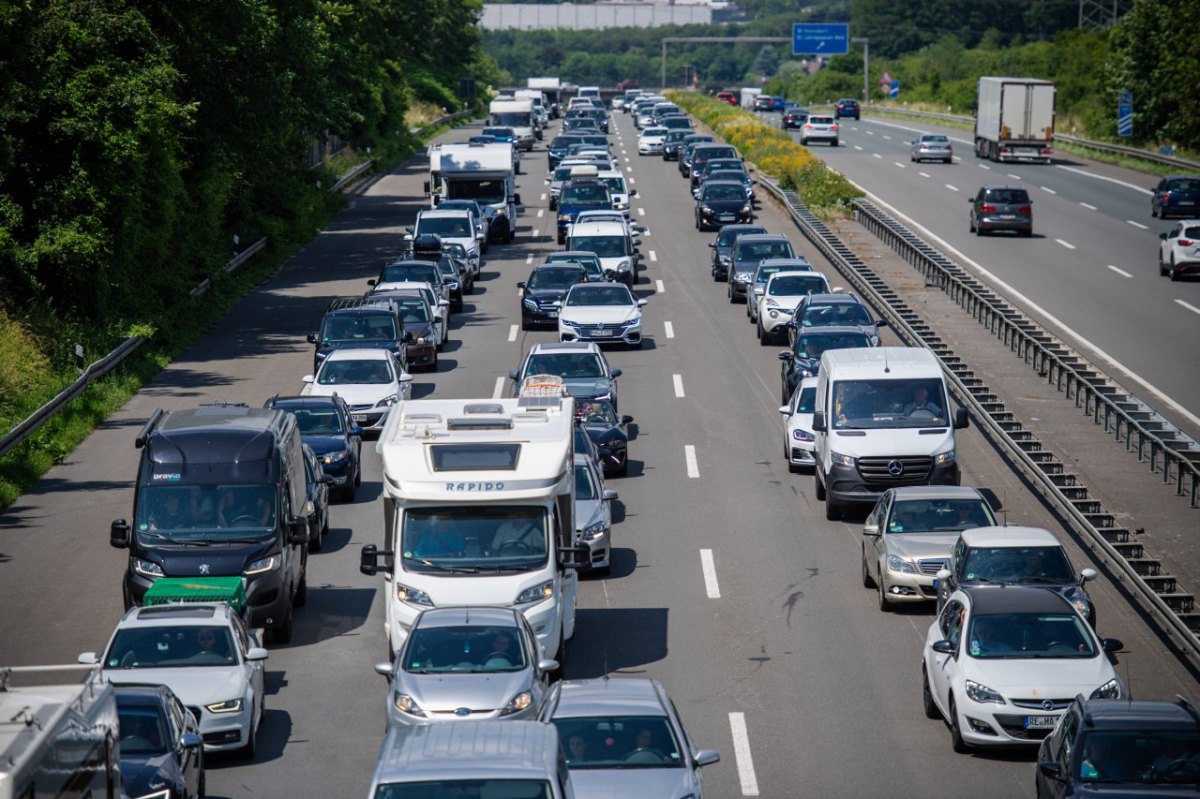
1014, 119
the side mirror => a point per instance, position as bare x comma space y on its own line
547, 181
547, 665
517, 199
838, 290
313, 338
712, 245
1162, 236
942, 575
785, 410
610, 495
371, 282
309, 507
881, 323
426, 186
706, 757
785, 355
1051, 770
616, 372
627, 419
405, 377
256, 653
521, 284
118, 534
190, 740
512, 374
368, 560
961, 420
324, 479
88, 658
1111, 645
307, 379
633, 192
871, 529
385, 669
298, 530
943, 647
1087, 575
641, 303
819, 422
444, 303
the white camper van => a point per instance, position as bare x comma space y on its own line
882, 419
484, 173
515, 113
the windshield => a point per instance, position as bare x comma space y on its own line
1144, 756
565, 364
317, 421
600, 295
212, 512
554, 278
414, 311
359, 327
729, 174
616, 185
476, 649
701, 156
865, 404
939, 515
619, 742
1018, 565
603, 246
724, 193
586, 194
474, 539
487, 191
762, 250
182, 647
729, 233
585, 258
518, 119
585, 486
417, 273
446, 226
1029, 635
813, 346
466, 789
796, 285
934, 139
842, 313
143, 730
499, 133
355, 372
654, 133
597, 413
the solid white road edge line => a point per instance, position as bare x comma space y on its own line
689, 455
995, 280
670, 329
499, 389
1088, 206
741, 752
512, 333
678, 381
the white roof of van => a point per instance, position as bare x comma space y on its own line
605, 228
865, 363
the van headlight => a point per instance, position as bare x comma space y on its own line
944, 457
147, 568
1110, 690
262, 565
536, 594
841, 460
413, 596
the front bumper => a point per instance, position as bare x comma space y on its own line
368, 417
607, 334
421, 354
223, 732
774, 319
908, 586
847, 487
991, 724
542, 316
601, 548
650, 149
716, 217
738, 288
398, 718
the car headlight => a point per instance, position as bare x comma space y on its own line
413, 596
518, 703
1076, 596
983, 694
944, 457
592, 531
620, 206
228, 706
704, 209
147, 568
745, 209
536, 594
896, 563
725, 260
774, 314
841, 460
803, 435
335, 457
530, 304
624, 266
387, 401
501, 212
262, 565
406, 704
567, 323
564, 218
1110, 690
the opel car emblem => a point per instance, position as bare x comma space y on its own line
895, 468
1047, 704
462, 711
204, 568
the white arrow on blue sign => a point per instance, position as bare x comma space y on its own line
826, 38
1125, 114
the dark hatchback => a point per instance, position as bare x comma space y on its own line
722, 247
673, 143
1176, 195
722, 202
804, 358
703, 153
690, 143
847, 108
422, 329
561, 145
794, 117
1001, 208
327, 427
610, 433
750, 250
543, 290
834, 310
162, 753
359, 322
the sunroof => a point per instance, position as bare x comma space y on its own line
475, 457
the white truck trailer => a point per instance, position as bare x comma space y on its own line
552, 89
1014, 119
515, 113
480, 172
748, 97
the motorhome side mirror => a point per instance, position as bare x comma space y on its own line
517, 199
1087, 575
706, 757
961, 420
190, 740
785, 355
298, 530
944, 647
819, 422
1051, 770
871, 529
313, 338
368, 561
384, 669
118, 534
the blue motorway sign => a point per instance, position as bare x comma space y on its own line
894, 89
1125, 114
823, 38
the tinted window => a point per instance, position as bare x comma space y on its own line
813, 346
619, 742
1007, 196
1018, 564
321, 421
1164, 757
806, 402
143, 730
554, 278
473, 649
472, 788
797, 285
600, 295
359, 327
603, 246
418, 273
1029, 635
724, 193
585, 486
939, 515
865, 404
475, 538
842, 313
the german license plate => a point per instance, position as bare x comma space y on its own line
1041, 722
552, 314
1008, 216
1187, 202
360, 417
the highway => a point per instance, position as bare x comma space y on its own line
1090, 271
728, 584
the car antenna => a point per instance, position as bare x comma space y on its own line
887, 370
1004, 508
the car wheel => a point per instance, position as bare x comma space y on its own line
948, 161
315, 541
867, 581
763, 338
833, 143
931, 709
979, 229
1162, 266
971, 223
281, 633
881, 593
1173, 272
351, 490
803, 142
250, 750
1028, 234
820, 487
833, 511
623, 469
956, 739
1153, 211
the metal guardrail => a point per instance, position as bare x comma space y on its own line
95, 371
1158, 592
1099, 146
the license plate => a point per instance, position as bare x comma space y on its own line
552, 314
360, 417
1041, 722
1187, 202
1008, 216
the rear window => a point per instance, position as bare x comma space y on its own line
1184, 184
1192, 232
1010, 196
821, 120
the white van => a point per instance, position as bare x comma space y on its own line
613, 242
882, 419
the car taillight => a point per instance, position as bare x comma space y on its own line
1186, 242
1045, 151
833, 127
987, 209
808, 126
1025, 209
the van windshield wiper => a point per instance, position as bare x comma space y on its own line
182, 542
439, 567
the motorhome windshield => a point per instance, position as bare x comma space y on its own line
489, 191
867, 404
483, 539
212, 513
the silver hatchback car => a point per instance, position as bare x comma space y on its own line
467, 663
820, 128
932, 147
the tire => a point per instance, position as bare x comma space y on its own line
250, 750
867, 580
931, 709
315, 542
803, 142
763, 338
433, 367
282, 633
948, 161
820, 487
971, 224
956, 740
1162, 267
979, 230
833, 511
301, 598
1153, 211
881, 597
1173, 272
833, 143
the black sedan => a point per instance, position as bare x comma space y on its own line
542, 292
162, 753
804, 358
795, 117
722, 202
610, 432
326, 426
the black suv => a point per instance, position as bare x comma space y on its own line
360, 322
794, 117
1001, 208
328, 428
673, 143
1121, 748
1176, 194
544, 289
846, 107
834, 310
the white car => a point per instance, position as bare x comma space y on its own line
798, 440
606, 313
651, 140
1179, 251
440, 306
1002, 663
370, 380
456, 225
205, 654
819, 128
767, 267
783, 292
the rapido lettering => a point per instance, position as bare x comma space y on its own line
474, 486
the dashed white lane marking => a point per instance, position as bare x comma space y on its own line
870, 133
710, 574
858, 147
923, 174
627, 159
1014, 177
1137, 224
499, 389
632, 181
654, 258
641, 211
741, 753
541, 213
670, 329
951, 187
1066, 244
889, 138
1189, 306
659, 287
1120, 272
689, 455
877, 155
1088, 206
512, 333
984, 166
1047, 190
678, 381
529, 258
897, 163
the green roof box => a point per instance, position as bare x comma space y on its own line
167, 590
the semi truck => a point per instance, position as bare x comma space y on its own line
480, 172
1014, 119
516, 113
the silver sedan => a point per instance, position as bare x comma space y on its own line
932, 147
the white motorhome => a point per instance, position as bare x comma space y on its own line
541, 112
481, 172
515, 113
882, 419
478, 509
61, 738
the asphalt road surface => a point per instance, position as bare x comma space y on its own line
728, 584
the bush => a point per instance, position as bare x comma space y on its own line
824, 191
